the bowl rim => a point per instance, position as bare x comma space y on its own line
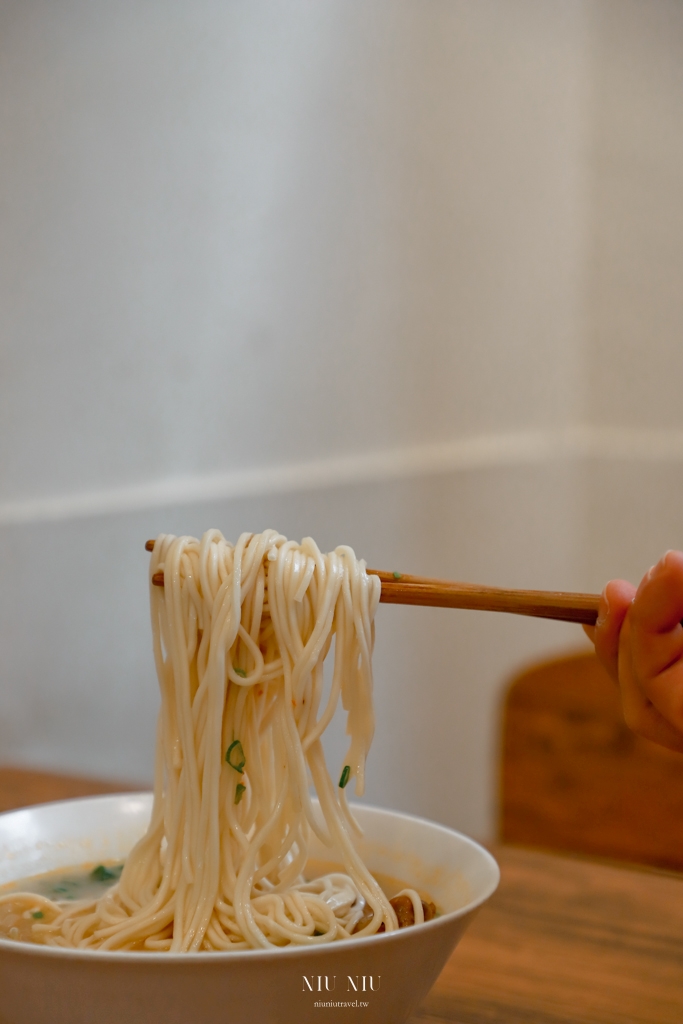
292, 951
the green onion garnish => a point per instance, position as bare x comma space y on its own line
239, 672
103, 874
37, 914
235, 756
396, 575
346, 772
240, 790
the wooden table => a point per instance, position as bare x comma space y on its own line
567, 940
563, 941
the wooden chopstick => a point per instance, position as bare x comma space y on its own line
398, 588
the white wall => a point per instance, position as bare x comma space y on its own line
635, 296
329, 267
358, 216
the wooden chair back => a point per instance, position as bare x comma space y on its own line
575, 778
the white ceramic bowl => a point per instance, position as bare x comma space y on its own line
390, 974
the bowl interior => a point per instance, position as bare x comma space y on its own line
451, 869
69, 833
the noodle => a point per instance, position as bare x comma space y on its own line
240, 636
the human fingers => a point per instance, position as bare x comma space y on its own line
658, 602
643, 718
615, 602
656, 638
640, 713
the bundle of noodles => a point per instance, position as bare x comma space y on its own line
240, 636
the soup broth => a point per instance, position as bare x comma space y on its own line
90, 882
83, 883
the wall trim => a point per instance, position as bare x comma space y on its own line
470, 453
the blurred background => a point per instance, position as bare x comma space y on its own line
403, 274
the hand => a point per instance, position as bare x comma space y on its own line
638, 637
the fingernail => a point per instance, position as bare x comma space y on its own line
603, 610
646, 579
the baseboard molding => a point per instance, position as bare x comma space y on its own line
470, 453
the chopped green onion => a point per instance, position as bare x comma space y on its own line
239, 671
346, 772
103, 874
235, 756
37, 914
240, 790
396, 575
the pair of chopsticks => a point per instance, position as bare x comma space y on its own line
398, 588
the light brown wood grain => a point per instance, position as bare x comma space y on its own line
574, 777
567, 941
542, 604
